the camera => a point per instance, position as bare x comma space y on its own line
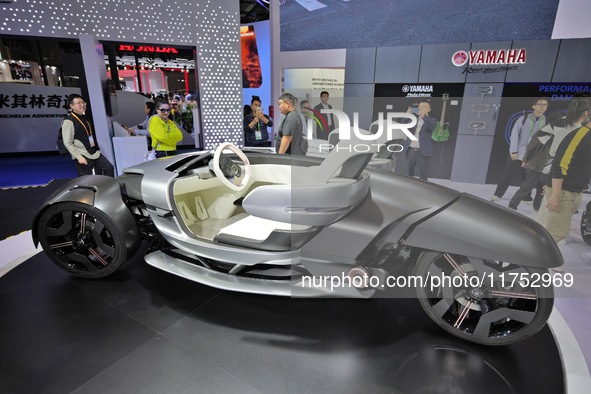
414, 109
259, 109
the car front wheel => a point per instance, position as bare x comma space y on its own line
82, 240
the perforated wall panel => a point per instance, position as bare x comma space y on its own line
210, 25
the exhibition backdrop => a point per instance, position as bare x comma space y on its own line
30, 116
488, 84
399, 97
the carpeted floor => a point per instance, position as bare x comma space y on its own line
34, 170
19, 206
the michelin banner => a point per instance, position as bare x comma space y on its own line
30, 116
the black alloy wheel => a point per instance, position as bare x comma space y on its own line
82, 240
484, 301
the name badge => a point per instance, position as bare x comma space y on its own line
91, 140
258, 135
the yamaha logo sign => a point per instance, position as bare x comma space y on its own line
489, 57
459, 58
417, 90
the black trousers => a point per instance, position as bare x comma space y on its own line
532, 180
511, 167
165, 153
101, 166
415, 158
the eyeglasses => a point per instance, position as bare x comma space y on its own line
79, 103
164, 109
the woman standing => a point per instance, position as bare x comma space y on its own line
164, 132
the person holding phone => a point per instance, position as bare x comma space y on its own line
255, 125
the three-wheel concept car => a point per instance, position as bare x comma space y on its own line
284, 225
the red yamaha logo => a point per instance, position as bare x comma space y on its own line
459, 58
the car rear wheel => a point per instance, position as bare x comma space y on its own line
484, 301
586, 224
82, 240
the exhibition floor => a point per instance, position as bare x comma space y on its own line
143, 330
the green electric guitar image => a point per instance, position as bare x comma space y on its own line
441, 133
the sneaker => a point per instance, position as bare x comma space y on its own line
495, 198
512, 207
529, 201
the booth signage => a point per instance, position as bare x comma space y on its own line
489, 57
147, 49
417, 90
30, 116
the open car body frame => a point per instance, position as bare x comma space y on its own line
261, 223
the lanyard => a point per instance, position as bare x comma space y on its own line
533, 122
89, 129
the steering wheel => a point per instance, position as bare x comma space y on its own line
225, 168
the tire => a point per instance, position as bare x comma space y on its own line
510, 304
82, 240
586, 224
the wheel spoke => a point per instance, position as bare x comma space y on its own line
82, 223
98, 229
98, 239
79, 258
454, 264
442, 306
98, 256
484, 270
64, 228
463, 314
62, 245
483, 327
514, 294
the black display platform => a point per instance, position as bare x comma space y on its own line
143, 330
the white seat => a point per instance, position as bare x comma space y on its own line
258, 229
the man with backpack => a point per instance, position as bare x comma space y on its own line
521, 134
80, 140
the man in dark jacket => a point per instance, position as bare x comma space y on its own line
328, 119
533, 161
419, 152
